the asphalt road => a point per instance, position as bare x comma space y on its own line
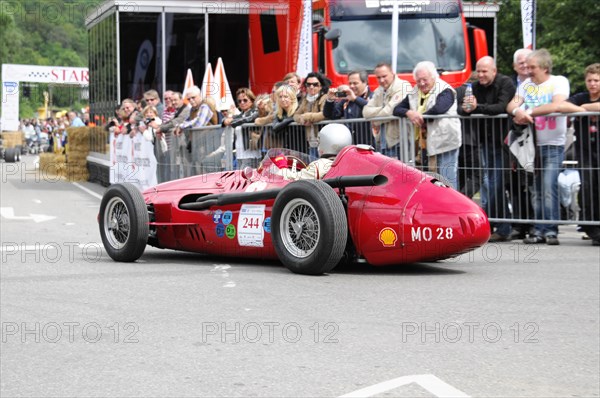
505, 320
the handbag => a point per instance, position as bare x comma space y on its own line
521, 142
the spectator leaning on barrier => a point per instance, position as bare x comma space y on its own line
519, 184
433, 96
287, 105
169, 110
200, 112
491, 93
347, 102
262, 135
536, 97
182, 113
152, 98
246, 156
587, 148
310, 111
293, 79
391, 91
469, 180
520, 65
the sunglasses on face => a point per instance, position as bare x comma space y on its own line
243, 101
313, 84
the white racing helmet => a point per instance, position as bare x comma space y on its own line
332, 138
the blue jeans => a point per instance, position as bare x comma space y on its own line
393, 152
544, 189
447, 166
492, 190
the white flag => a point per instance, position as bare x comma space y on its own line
304, 65
528, 21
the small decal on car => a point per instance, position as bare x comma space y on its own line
230, 231
267, 225
388, 237
220, 230
217, 216
227, 216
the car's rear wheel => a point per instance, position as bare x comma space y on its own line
309, 227
124, 222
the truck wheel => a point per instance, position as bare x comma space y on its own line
309, 227
124, 222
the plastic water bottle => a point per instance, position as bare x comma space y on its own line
468, 97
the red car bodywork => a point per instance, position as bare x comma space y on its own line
411, 218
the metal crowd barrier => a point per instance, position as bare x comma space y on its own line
211, 149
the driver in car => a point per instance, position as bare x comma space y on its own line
332, 139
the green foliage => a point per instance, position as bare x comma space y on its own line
569, 29
41, 32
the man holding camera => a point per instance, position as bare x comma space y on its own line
347, 102
391, 91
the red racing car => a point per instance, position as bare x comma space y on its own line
368, 208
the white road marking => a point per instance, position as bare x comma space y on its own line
9, 214
429, 382
222, 269
37, 201
94, 194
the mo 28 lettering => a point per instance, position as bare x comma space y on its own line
427, 233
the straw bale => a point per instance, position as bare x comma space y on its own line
79, 139
11, 139
76, 158
53, 164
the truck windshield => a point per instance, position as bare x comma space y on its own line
365, 43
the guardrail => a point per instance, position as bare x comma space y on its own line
214, 148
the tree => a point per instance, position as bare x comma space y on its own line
569, 29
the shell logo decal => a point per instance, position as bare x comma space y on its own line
388, 237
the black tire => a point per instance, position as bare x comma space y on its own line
309, 227
11, 155
124, 222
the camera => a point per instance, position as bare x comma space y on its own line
148, 121
340, 94
111, 124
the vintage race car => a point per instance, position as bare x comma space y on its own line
369, 208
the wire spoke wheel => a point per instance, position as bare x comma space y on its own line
116, 223
124, 222
302, 230
310, 229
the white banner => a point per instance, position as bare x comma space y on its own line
305, 62
528, 21
132, 160
13, 74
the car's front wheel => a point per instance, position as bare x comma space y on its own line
309, 227
124, 222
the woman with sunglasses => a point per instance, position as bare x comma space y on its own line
245, 156
310, 111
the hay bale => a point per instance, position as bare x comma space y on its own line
11, 139
77, 173
52, 164
78, 140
